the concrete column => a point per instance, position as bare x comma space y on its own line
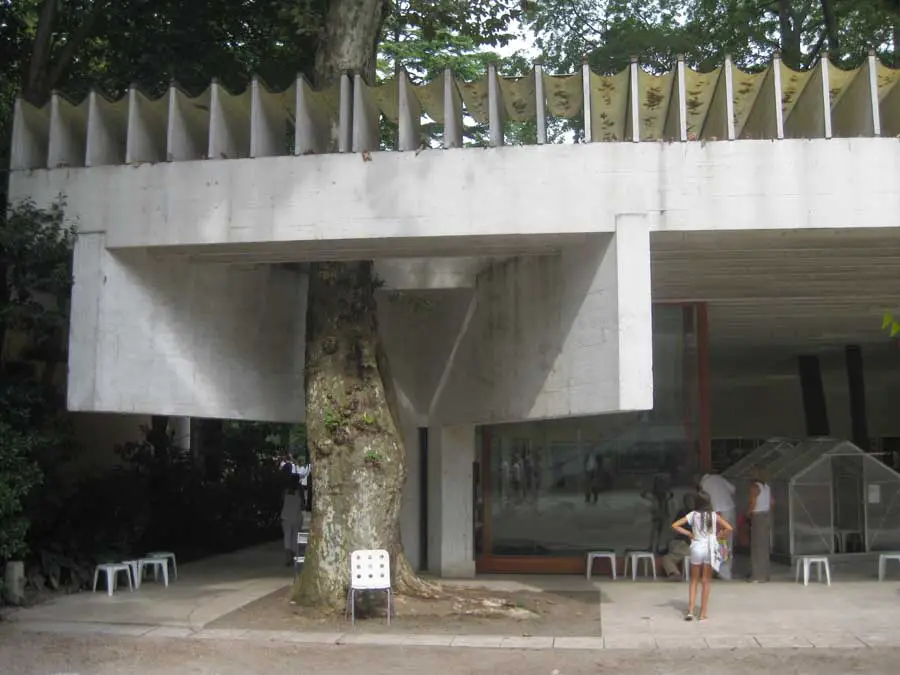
815, 409
451, 453
856, 383
181, 427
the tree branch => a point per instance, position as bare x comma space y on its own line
40, 54
67, 53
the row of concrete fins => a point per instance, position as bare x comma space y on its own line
629, 106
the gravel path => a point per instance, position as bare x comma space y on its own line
48, 654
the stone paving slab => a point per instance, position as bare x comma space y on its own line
638, 641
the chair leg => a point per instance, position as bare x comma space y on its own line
96, 576
128, 576
653, 567
797, 572
174, 568
590, 563
612, 566
165, 573
806, 572
352, 606
389, 600
110, 582
828, 573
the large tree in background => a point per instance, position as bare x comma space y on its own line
609, 32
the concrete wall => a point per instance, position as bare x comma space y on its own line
161, 336
411, 200
451, 541
557, 336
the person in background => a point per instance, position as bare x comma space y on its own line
705, 525
680, 545
291, 513
759, 513
721, 496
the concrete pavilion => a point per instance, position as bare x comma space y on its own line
566, 322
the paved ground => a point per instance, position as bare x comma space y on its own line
110, 655
784, 627
205, 590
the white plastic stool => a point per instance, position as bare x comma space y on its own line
820, 561
167, 555
882, 563
158, 565
300, 557
634, 557
112, 571
595, 555
134, 566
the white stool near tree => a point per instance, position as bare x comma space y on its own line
633, 557
300, 558
883, 559
370, 570
112, 571
804, 562
137, 572
167, 555
601, 555
158, 565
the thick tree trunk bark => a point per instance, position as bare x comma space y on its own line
357, 452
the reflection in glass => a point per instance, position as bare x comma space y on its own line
563, 487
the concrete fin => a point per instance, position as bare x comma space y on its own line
854, 101
269, 120
758, 106
410, 115
453, 112
148, 122
366, 117
888, 99
345, 114
496, 108
633, 111
804, 96
229, 127
675, 128
107, 130
718, 123
30, 137
187, 135
540, 101
68, 132
316, 116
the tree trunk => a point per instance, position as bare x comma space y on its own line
357, 452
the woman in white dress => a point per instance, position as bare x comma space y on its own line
704, 524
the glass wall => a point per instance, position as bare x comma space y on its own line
563, 487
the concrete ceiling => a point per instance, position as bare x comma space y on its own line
783, 291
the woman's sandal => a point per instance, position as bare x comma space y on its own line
704, 618
689, 617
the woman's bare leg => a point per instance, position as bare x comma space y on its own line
695, 581
707, 586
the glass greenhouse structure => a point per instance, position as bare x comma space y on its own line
830, 497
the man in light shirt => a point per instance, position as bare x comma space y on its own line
721, 496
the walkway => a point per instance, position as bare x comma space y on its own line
855, 612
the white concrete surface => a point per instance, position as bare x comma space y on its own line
557, 336
400, 203
163, 336
451, 454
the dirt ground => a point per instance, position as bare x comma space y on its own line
105, 655
461, 611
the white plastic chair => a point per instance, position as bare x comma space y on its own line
300, 558
370, 570
112, 571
